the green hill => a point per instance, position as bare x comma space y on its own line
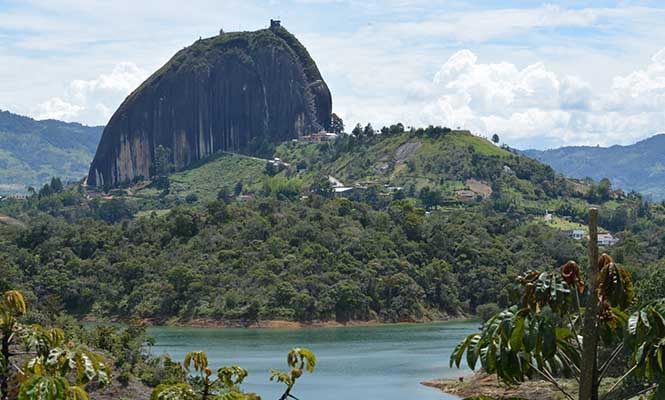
448, 162
447, 169
639, 167
430, 223
451, 165
31, 152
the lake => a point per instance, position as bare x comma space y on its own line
385, 362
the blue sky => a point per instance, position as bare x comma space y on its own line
540, 74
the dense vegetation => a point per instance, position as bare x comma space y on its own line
183, 247
575, 325
31, 152
237, 240
57, 359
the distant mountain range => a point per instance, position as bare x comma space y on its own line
31, 151
639, 167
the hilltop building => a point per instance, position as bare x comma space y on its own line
319, 137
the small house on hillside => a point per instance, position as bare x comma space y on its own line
607, 239
320, 137
577, 234
604, 238
466, 196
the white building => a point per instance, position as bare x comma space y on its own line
577, 234
607, 239
604, 238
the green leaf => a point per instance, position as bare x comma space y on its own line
632, 324
645, 318
180, 391
472, 351
490, 363
517, 337
44, 388
639, 354
549, 341
456, 356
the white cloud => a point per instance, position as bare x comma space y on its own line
502, 98
643, 89
478, 26
94, 101
57, 108
576, 75
534, 103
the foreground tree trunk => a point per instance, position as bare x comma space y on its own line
4, 368
589, 374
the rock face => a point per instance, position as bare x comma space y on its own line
233, 92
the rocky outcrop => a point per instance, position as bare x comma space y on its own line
230, 92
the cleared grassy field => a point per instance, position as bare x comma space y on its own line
206, 178
564, 225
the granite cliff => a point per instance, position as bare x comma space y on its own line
230, 92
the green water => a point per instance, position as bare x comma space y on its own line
383, 362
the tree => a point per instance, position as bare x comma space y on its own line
56, 185
191, 198
225, 384
48, 375
495, 138
604, 189
224, 194
56, 369
357, 131
237, 189
217, 211
430, 197
369, 130
45, 191
336, 124
652, 286
396, 129
322, 186
300, 360
487, 311
271, 169
349, 301
113, 210
524, 341
203, 385
162, 165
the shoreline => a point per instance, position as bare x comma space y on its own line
482, 384
271, 324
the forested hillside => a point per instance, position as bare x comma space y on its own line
238, 240
639, 167
31, 152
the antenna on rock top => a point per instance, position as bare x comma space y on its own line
275, 24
